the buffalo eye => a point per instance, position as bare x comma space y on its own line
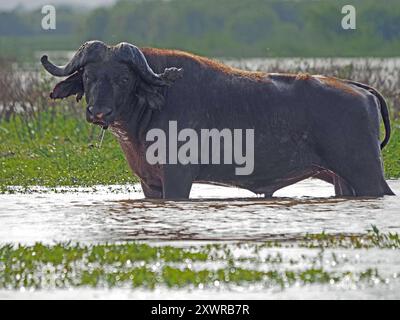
123, 80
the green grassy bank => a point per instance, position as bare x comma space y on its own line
58, 150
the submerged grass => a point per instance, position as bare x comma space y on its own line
373, 239
213, 265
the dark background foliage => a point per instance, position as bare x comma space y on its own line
228, 28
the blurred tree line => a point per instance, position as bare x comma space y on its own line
228, 28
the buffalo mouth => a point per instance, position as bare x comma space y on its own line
101, 124
98, 122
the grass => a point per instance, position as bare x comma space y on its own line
61, 150
213, 265
391, 153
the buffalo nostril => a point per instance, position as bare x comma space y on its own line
100, 115
90, 109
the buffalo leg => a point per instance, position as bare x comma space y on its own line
370, 185
364, 175
151, 192
342, 188
177, 182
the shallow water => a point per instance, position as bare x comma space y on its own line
214, 213
313, 292
386, 261
119, 213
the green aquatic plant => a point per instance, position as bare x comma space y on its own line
135, 264
372, 239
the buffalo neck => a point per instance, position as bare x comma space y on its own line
130, 133
133, 124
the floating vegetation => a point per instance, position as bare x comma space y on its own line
212, 265
373, 239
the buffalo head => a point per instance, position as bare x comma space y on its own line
113, 79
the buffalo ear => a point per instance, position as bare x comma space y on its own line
170, 75
73, 85
150, 96
153, 96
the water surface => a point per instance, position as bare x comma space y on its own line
119, 213
213, 214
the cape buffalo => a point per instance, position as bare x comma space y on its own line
304, 125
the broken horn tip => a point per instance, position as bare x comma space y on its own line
44, 59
